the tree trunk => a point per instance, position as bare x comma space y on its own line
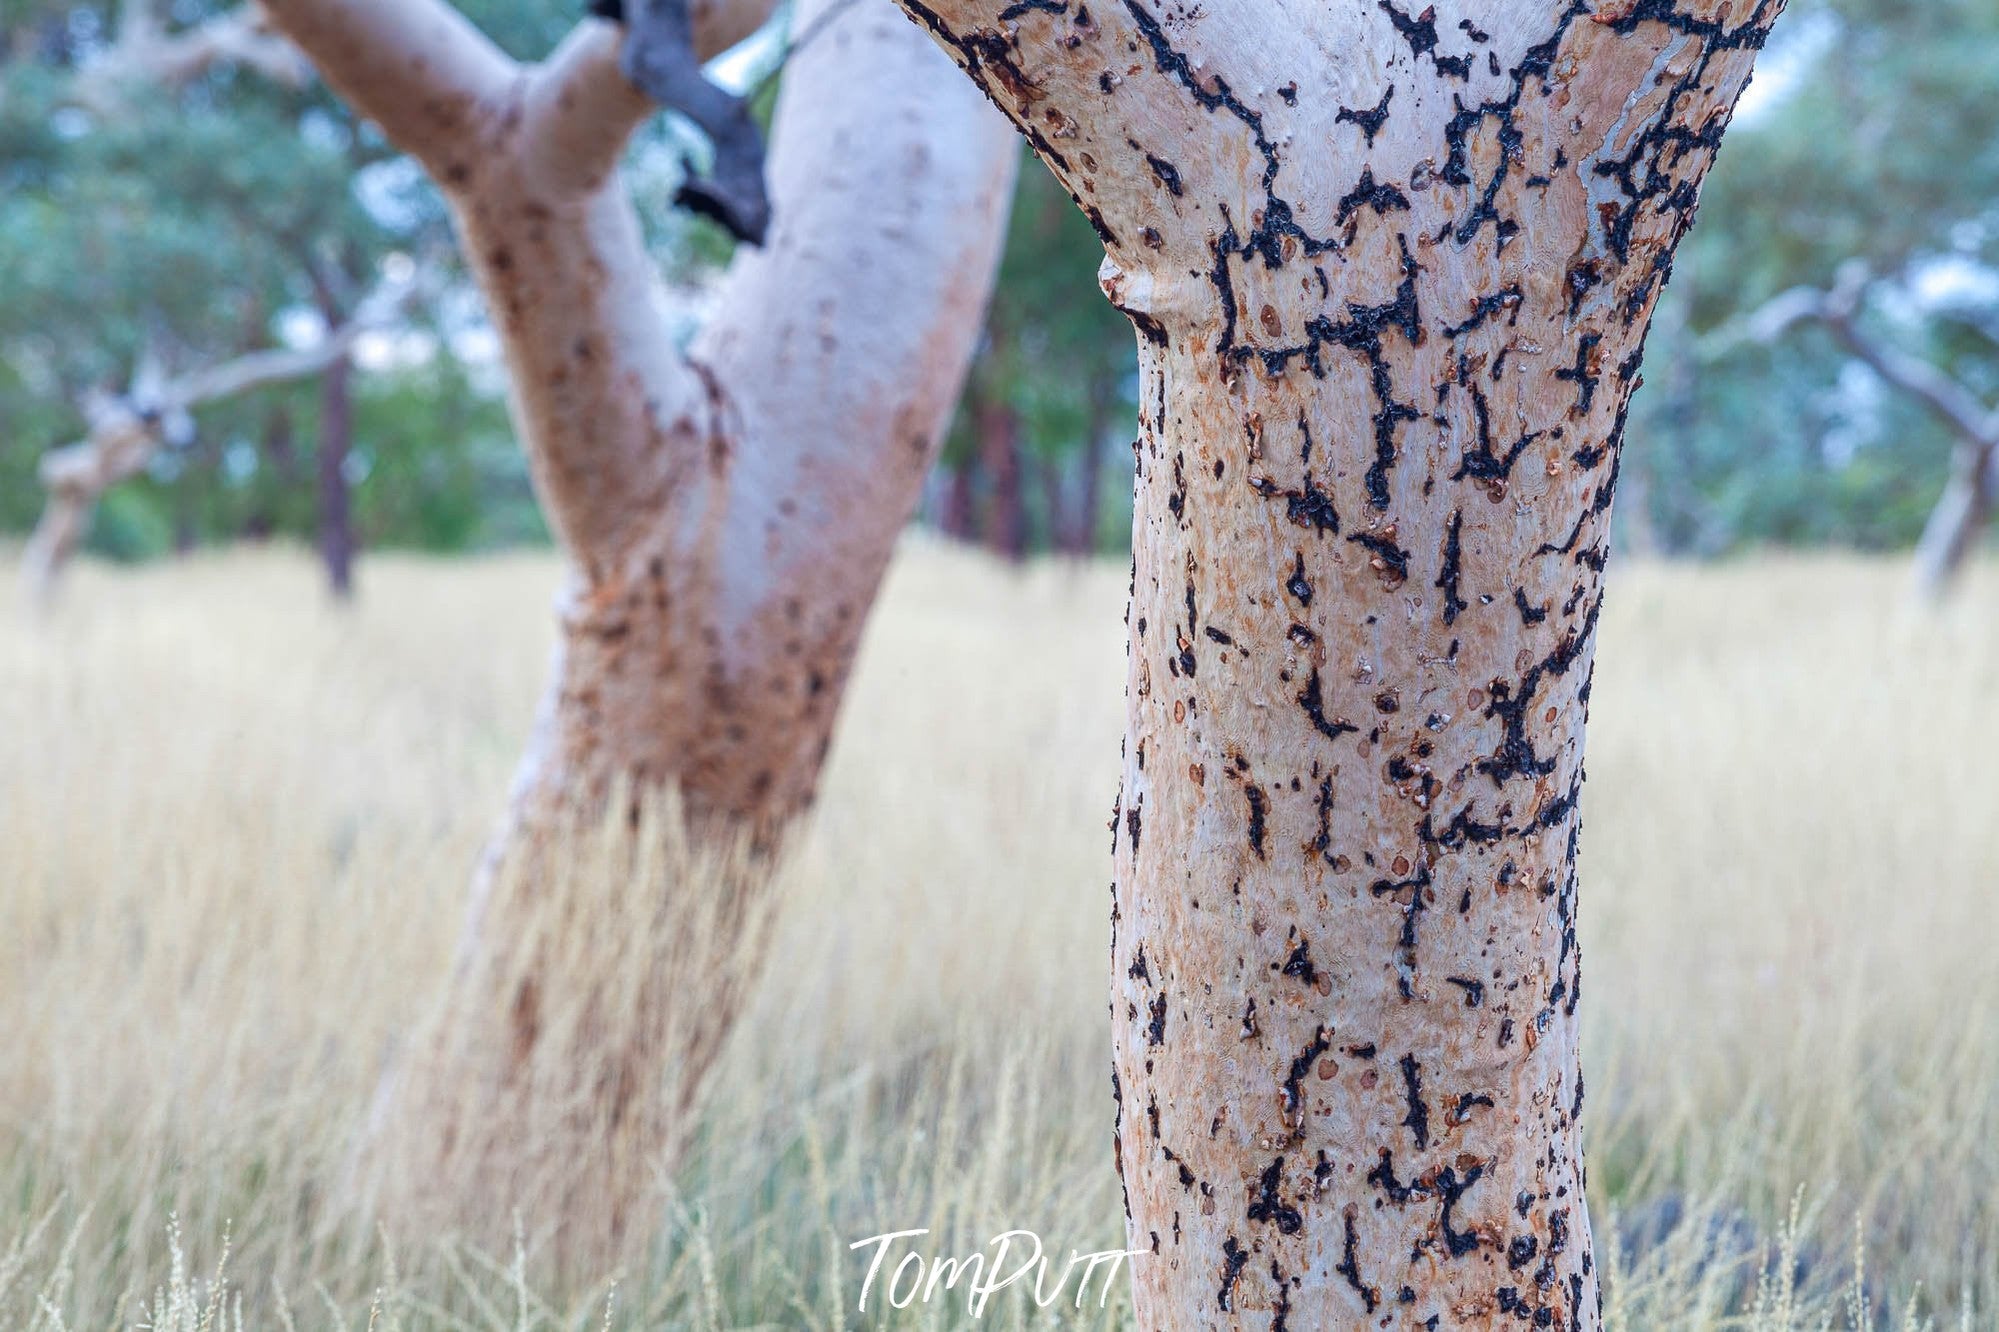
1005, 524
960, 517
1390, 301
1090, 467
1054, 504
336, 438
1959, 519
727, 512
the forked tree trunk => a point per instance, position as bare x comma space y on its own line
1391, 270
727, 511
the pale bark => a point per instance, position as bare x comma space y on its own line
1965, 508
728, 511
125, 433
145, 54
1391, 269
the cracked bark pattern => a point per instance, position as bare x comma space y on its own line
1391, 272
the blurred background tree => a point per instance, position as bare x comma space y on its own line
1868, 135
195, 224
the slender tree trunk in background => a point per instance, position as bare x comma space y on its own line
961, 506
1960, 518
336, 439
1048, 480
1090, 469
1391, 270
281, 456
727, 512
1004, 526
120, 443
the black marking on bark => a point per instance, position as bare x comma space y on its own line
1412, 908
1421, 34
1474, 990
1233, 1257
1258, 807
1299, 964
1301, 1065
1296, 584
1417, 1121
1212, 92
1383, 1177
1312, 699
1580, 373
1467, 1103
1529, 615
1452, 1190
1394, 559
1481, 463
1267, 1203
1308, 507
1447, 581
1349, 1266
1383, 199
1371, 121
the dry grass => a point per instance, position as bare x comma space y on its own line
236, 826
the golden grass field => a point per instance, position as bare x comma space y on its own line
236, 826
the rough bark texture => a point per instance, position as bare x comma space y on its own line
728, 512
1391, 269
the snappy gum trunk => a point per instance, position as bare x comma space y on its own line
1392, 274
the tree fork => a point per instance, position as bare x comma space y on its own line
727, 510
1391, 273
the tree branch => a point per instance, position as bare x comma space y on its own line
145, 54
125, 433
418, 68
1839, 310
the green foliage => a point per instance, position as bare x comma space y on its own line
1877, 145
187, 227
1057, 356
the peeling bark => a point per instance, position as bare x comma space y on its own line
727, 510
1391, 272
